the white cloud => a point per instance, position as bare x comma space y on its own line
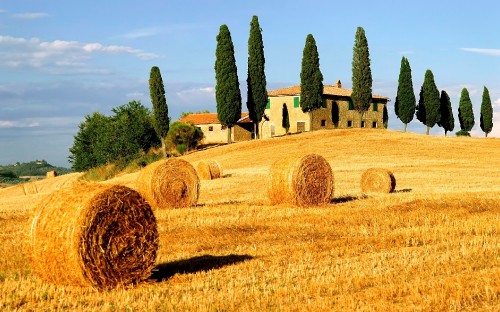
18, 124
34, 53
494, 52
140, 33
30, 15
190, 94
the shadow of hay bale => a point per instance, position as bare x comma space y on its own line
346, 199
203, 263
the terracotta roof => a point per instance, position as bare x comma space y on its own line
207, 118
327, 89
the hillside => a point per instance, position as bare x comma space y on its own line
434, 244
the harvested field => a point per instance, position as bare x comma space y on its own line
431, 245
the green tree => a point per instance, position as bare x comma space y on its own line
311, 79
385, 117
160, 109
361, 73
465, 113
133, 129
405, 100
185, 135
256, 78
104, 139
227, 88
285, 118
91, 145
428, 108
447, 122
486, 120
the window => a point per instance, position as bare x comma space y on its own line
374, 124
363, 124
223, 127
323, 123
349, 123
296, 101
351, 104
268, 105
323, 103
375, 107
210, 128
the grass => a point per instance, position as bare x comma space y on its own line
432, 245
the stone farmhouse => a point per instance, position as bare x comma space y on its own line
337, 111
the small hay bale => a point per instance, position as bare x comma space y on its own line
169, 183
208, 170
301, 181
102, 236
378, 180
51, 174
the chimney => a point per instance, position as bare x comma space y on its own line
338, 84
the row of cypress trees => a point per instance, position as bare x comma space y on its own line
435, 108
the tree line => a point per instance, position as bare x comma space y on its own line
434, 107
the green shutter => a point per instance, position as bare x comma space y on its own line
375, 107
296, 102
268, 105
351, 104
323, 103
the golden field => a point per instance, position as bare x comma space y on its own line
433, 245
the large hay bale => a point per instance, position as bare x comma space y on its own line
96, 235
169, 183
208, 170
301, 181
51, 174
378, 180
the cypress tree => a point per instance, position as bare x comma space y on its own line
486, 121
256, 79
227, 87
160, 108
447, 122
465, 113
385, 117
361, 73
311, 79
285, 119
428, 104
405, 99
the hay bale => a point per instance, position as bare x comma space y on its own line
102, 236
378, 180
208, 170
301, 181
169, 183
51, 174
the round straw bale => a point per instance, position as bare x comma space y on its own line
378, 180
302, 181
30, 188
97, 235
169, 183
51, 174
208, 170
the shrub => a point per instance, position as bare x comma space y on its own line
463, 133
183, 137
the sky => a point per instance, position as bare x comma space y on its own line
63, 60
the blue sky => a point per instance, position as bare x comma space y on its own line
61, 60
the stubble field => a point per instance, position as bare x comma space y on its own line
432, 245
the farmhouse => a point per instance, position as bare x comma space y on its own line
337, 111
215, 132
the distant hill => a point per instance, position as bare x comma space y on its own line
11, 174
